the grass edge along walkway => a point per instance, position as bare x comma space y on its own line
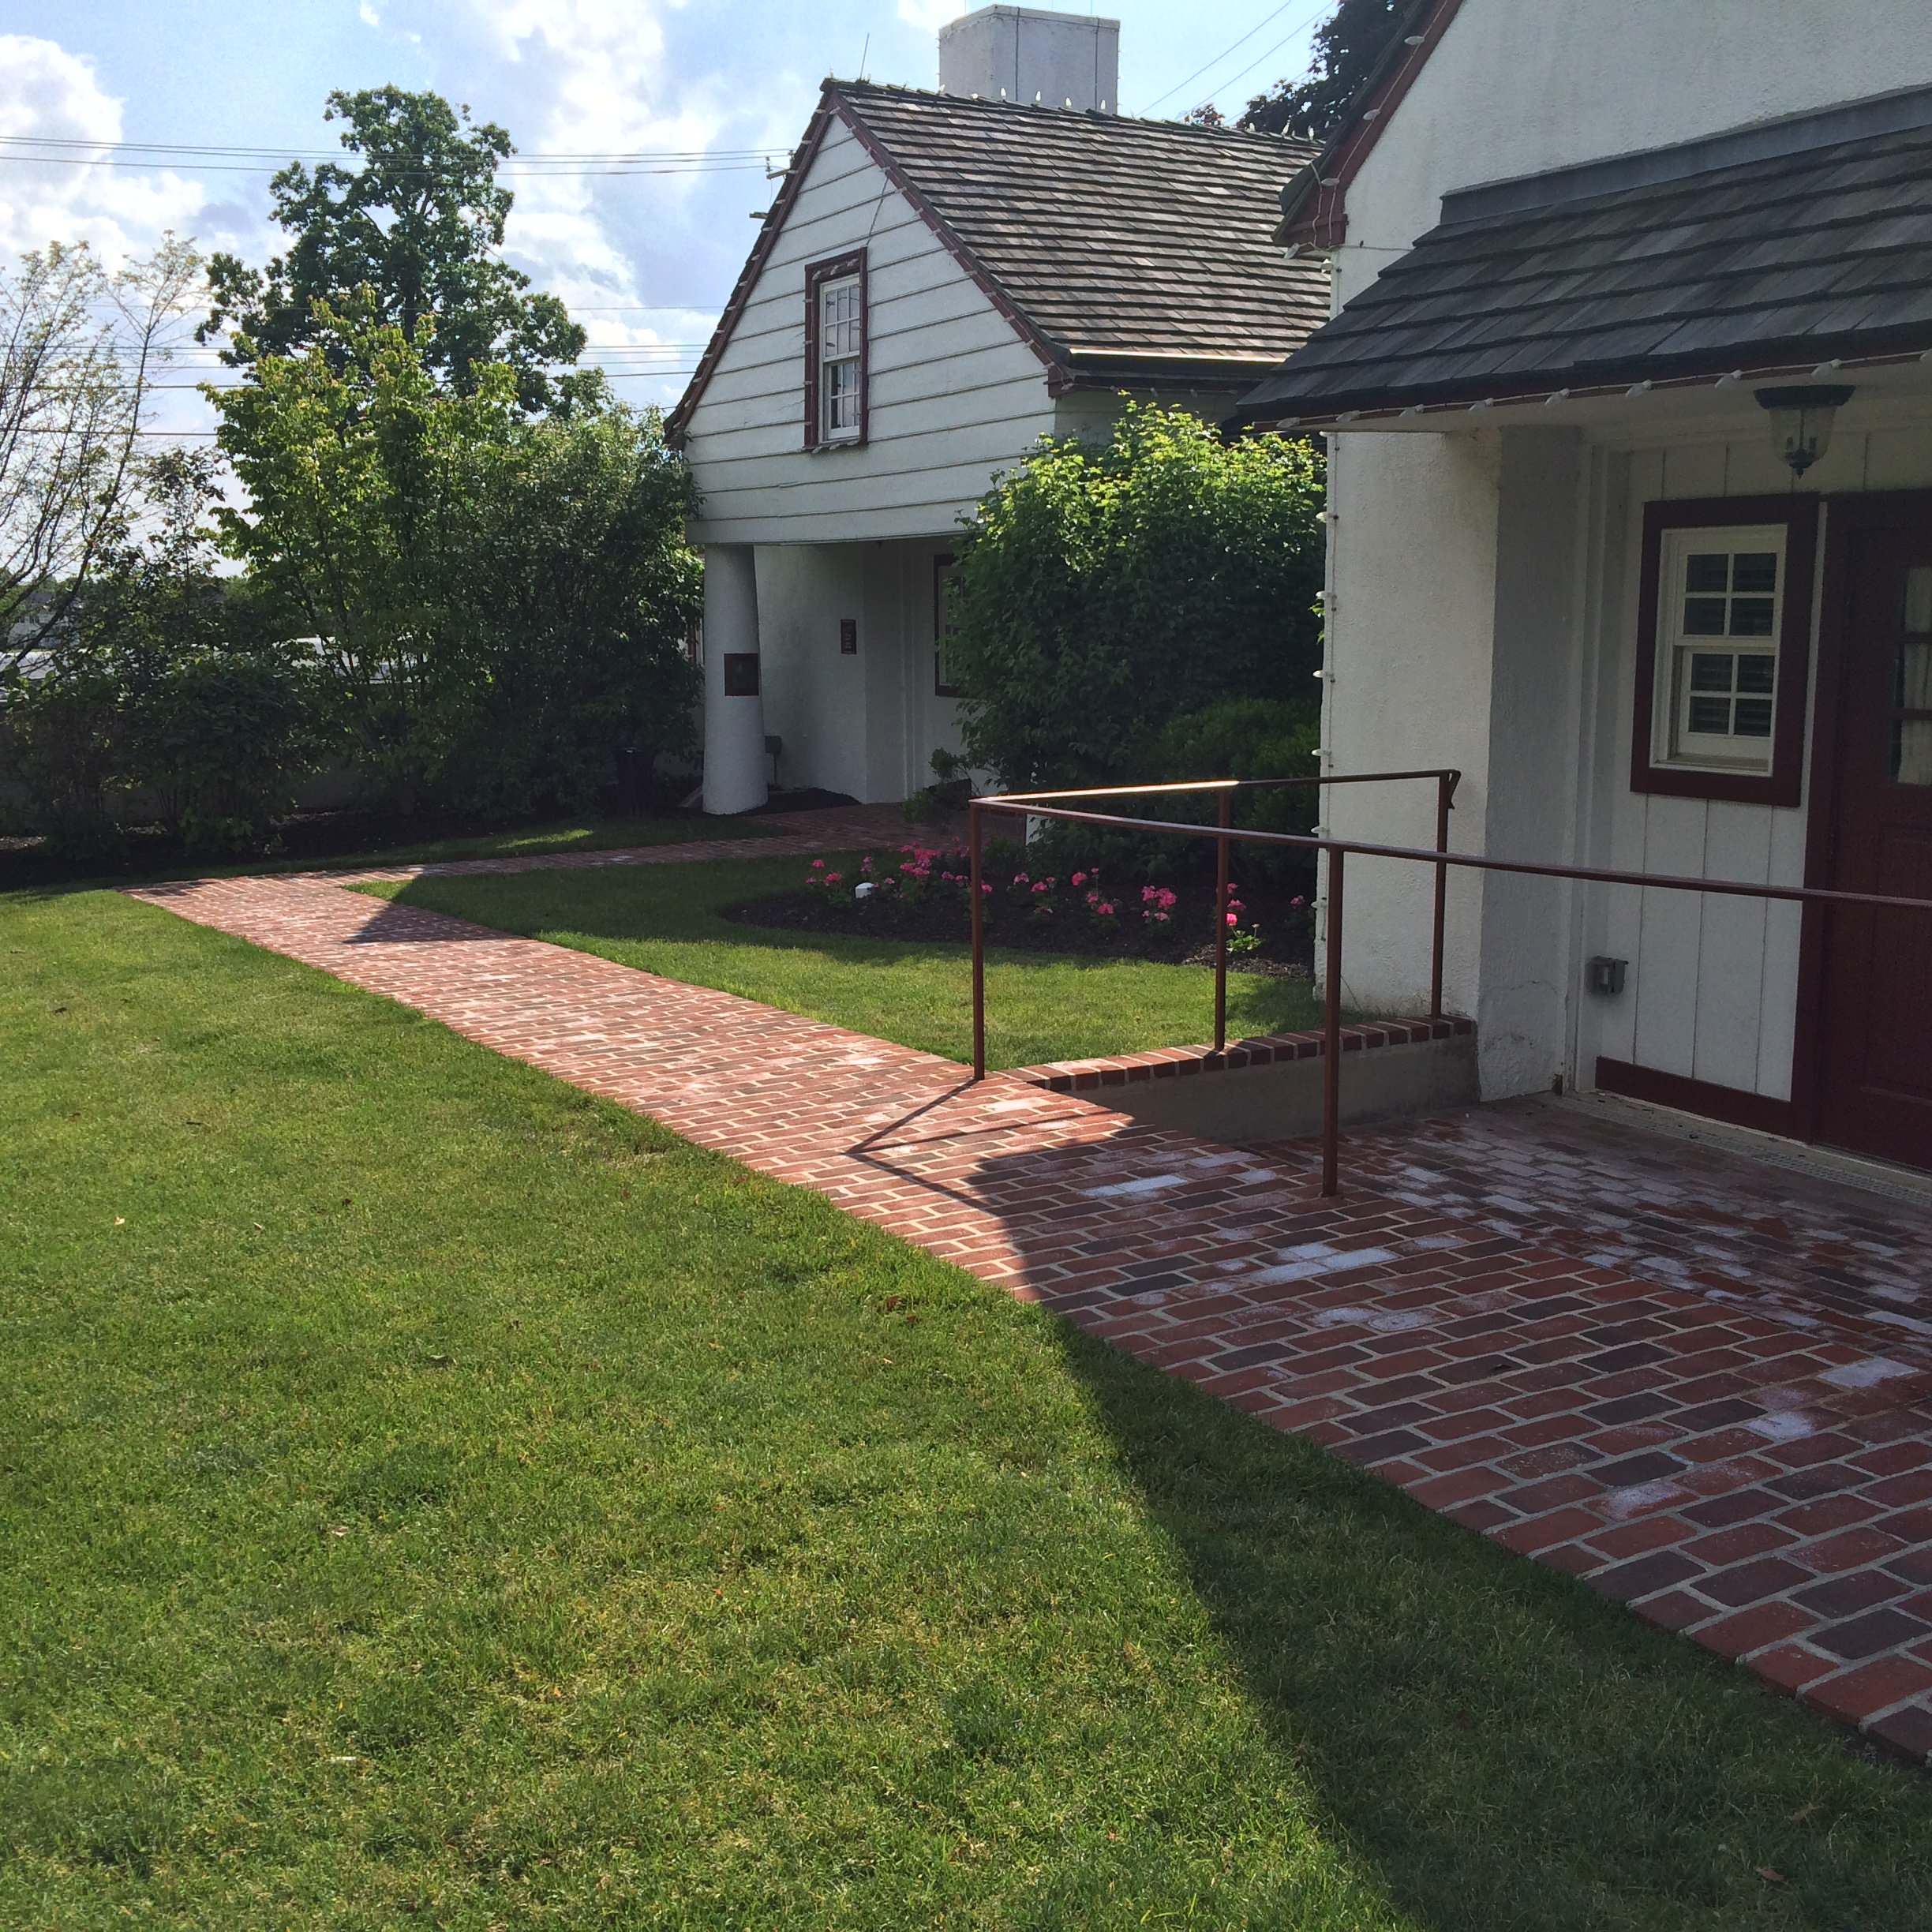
444, 1495
1040, 1007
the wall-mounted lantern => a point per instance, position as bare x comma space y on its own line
1801, 420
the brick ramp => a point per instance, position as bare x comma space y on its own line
1767, 1489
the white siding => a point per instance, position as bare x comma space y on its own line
955, 396
1712, 988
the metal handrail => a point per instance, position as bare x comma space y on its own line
1044, 805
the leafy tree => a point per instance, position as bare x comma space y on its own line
167, 700
419, 224
1347, 46
498, 603
1105, 590
79, 348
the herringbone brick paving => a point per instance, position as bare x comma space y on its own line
1764, 1485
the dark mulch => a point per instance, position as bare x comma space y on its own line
1286, 931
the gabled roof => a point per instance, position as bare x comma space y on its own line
1771, 250
1127, 253
1314, 210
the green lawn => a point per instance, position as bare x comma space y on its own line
1040, 1006
565, 835
25, 867
430, 1496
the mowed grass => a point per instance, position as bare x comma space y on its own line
668, 920
431, 1497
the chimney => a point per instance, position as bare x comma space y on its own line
1022, 52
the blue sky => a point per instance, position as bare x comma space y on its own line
644, 259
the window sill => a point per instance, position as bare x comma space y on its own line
1771, 787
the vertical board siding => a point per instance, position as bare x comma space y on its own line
1713, 990
954, 396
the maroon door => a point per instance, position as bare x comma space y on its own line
1875, 1062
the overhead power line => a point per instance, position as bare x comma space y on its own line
1265, 54
526, 173
1222, 55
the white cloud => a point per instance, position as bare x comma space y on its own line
46, 91
929, 15
367, 15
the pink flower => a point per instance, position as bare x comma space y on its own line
1019, 878
832, 879
1040, 889
1234, 918
1298, 902
1078, 880
817, 865
1108, 911
987, 887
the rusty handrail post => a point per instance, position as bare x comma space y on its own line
978, 942
1445, 788
1331, 1034
1221, 923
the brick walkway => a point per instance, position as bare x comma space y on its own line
1763, 1484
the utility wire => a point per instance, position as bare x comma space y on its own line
1222, 55
1265, 54
570, 173
282, 154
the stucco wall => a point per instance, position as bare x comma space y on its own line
1517, 86
1712, 989
865, 724
1408, 687
954, 394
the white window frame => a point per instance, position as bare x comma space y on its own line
844, 352
1674, 745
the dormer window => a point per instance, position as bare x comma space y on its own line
835, 351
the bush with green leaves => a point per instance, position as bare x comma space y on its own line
164, 700
499, 604
1106, 590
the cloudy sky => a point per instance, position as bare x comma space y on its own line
644, 258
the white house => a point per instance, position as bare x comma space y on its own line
1580, 255
942, 278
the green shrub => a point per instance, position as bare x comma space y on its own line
1106, 590
1233, 738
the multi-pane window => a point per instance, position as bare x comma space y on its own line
1721, 594
841, 359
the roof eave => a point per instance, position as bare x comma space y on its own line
1342, 408
1314, 205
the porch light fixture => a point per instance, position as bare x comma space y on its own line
1801, 420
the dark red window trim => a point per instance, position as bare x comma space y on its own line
940, 564
1784, 782
835, 268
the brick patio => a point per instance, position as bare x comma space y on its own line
1703, 1386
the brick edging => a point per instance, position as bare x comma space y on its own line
1265, 1050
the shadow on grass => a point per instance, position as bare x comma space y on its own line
1504, 1749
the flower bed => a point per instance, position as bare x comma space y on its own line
925, 893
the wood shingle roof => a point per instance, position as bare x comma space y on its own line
1126, 245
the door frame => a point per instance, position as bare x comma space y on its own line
1845, 515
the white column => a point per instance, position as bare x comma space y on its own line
734, 723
